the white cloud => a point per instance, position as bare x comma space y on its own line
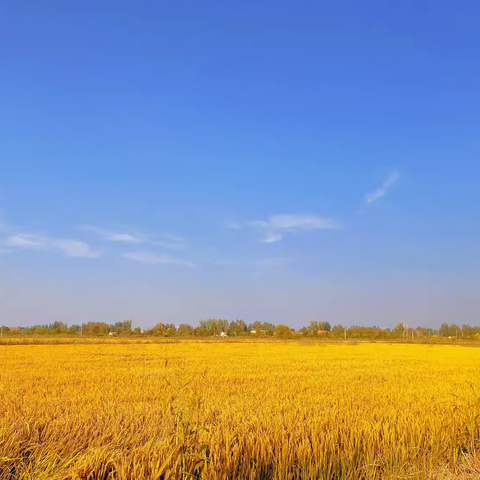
110, 236
152, 258
271, 237
275, 227
171, 242
123, 237
387, 184
75, 248
28, 241
70, 248
164, 240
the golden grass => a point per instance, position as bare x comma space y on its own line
269, 410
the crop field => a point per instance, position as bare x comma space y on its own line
251, 410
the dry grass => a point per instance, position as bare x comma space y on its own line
239, 411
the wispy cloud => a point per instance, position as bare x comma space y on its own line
276, 226
111, 236
171, 242
153, 258
387, 184
68, 247
28, 241
164, 240
272, 237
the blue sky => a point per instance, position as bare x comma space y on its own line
277, 161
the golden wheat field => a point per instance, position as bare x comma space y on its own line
253, 410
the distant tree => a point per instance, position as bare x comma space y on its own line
268, 327
399, 329
313, 328
74, 330
121, 327
158, 330
238, 327
455, 331
199, 331
324, 326
213, 326
170, 332
469, 331
444, 330
257, 326
184, 330
359, 331
56, 328
37, 330
283, 331
304, 332
95, 328
338, 331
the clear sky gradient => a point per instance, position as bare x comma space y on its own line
265, 160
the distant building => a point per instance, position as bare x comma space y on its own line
223, 334
322, 332
113, 334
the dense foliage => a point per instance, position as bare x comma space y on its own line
221, 327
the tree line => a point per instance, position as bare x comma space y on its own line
221, 327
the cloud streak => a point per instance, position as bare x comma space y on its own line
164, 240
152, 258
275, 227
109, 236
386, 186
68, 247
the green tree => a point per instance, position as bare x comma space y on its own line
158, 330
444, 330
455, 331
184, 330
170, 332
121, 327
399, 329
95, 328
283, 331
313, 328
74, 330
338, 331
324, 326
256, 327
238, 327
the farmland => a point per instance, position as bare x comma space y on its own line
250, 410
